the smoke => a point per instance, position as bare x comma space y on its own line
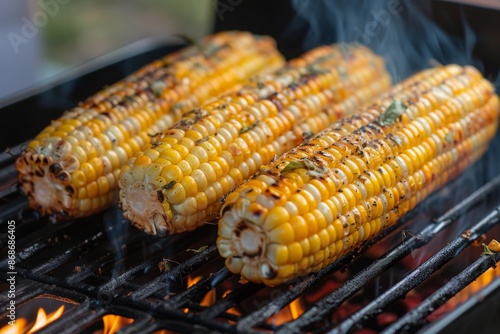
398, 30
116, 228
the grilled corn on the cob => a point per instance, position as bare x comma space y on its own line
176, 184
71, 167
327, 196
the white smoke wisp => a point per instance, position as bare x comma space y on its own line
398, 30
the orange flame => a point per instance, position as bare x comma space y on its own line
287, 314
474, 287
113, 323
42, 320
233, 311
209, 298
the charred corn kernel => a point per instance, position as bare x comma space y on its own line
110, 127
379, 164
229, 139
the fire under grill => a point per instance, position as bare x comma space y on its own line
427, 273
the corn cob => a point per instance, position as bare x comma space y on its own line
328, 195
176, 184
70, 169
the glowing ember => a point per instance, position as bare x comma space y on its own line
113, 323
19, 327
233, 311
287, 314
209, 298
42, 320
296, 309
474, 287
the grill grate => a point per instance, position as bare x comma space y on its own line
136, 288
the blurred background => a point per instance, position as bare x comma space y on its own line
42, 38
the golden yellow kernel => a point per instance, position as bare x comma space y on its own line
172, 173
200, 179
321, 188
315, 243
159, 182
236, 175
183, 150
176, 194
278, 254
171, 155
190, 186
78, 179
79, 153
82, 193
85, 204
138, 168
300, 202
306, 247
185, 167
286, 271
89, 171
209, 172
152, 154
295, 253
193, 135
276, 215
153, 171
282, 234
193, 161
103, 185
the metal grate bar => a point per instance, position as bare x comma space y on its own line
23, 292
38, 242
161, 311
74, 320
115, 282
138, 325
176, 273
72, 252
231, 300
13, 208
424, 271
415, 318
199, 289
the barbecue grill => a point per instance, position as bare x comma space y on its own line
402, 281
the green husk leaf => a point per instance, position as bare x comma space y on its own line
487, 250
248, 128
392, 113
199, 250
293, 165
158, 87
